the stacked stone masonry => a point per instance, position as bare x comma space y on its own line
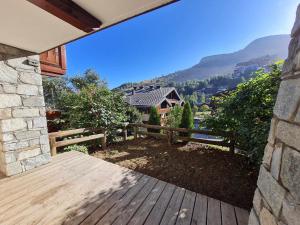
277, 197
23, 134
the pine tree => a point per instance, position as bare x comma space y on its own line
154, 119
187, 120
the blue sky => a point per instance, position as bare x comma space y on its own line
176, 37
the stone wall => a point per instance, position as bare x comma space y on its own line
23, 125
277, 197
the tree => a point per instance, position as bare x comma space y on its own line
174, 117
53, 89
95, 107
89, 77
248, 111
187, 120
154, 119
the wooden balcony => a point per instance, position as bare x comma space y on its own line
79, 189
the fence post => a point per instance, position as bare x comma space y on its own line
53, 146
135, 131
103, 140
124, 134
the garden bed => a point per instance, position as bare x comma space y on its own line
199, 168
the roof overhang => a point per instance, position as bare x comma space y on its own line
40, 25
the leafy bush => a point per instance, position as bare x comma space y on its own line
248, 111
174, 117
133, 115
204, 108
187, 120
53, 88
78, 148
154, 119
95, 107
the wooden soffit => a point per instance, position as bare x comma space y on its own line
40, 25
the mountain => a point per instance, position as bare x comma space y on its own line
276, 45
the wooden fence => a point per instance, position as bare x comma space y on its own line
168, 133
92, 135
173, 134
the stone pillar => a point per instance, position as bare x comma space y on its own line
23, 127
277, 197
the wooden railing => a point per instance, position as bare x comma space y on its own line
173, 134
92, 135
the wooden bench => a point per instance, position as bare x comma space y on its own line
54, 144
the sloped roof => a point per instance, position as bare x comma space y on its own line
148, 97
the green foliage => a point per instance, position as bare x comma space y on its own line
133, 115
154, 119
204, 108
174, 117
89, 77
187, 120
95, 107
53, 88
78, 148
195, 109
248, 111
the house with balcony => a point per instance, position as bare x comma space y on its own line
163, 98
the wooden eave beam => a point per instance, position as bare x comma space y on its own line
71, 13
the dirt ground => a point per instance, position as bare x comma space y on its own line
193, 166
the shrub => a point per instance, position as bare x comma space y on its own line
78, 148
95, 107
248, 111
204, 108
154, 119
174, 117
187, 120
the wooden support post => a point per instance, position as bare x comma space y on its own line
103, 140
135, 132
53, 146
124, 134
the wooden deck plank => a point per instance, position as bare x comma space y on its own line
128, 212
36, 200
160, 207
17, 179
86, 188
242, 216
172, 211
200, 210
228, 214
186, 210
144, 210
89, 187
88, 208
213, 212
79, 189
31, 190
22, 188
114, 205
117, 209
55, 160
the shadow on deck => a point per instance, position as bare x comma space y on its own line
79, 189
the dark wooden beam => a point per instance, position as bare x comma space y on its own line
69, 12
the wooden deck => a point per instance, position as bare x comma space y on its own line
79, 189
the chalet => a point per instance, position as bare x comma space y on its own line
163, 98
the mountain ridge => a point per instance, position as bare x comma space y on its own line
224, 64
